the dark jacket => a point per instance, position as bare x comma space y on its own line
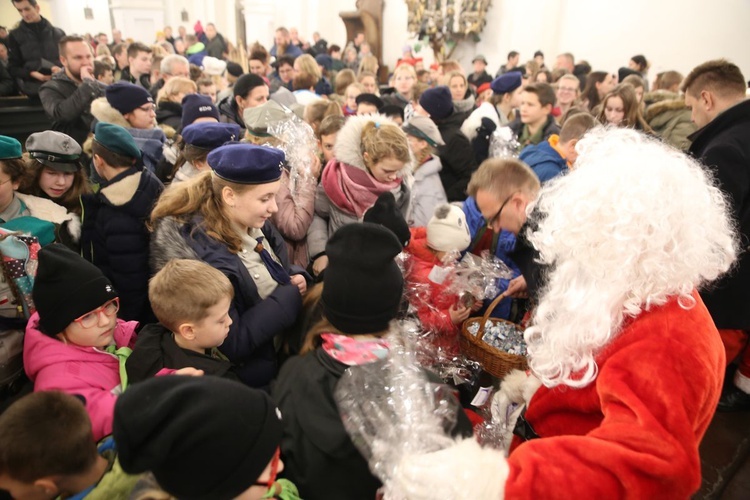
723, 146
457, 157
319, 457
228, 113
323, 87
255, 322
68, 104
115, 239
550, 128
144, 81
544, 160
156, 349
478, 80
7, 85
28, 44
156, 87
216, 47
169, 113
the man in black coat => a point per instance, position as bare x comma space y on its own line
67, 97
33, 54
457, 155
715, 92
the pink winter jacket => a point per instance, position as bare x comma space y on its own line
88, 371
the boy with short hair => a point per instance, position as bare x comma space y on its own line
138, 71
326, 136
557, 154
47, 450
103, 72
114, 236
207, 87
536, 123
191, 301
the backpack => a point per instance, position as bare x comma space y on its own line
19, 261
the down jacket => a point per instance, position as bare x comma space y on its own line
255, 322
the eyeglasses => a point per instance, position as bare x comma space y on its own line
491, 222
90, 320
274, 471
148, 108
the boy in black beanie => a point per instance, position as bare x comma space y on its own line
202, 438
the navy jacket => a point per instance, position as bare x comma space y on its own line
115, 239
255, 321
724, 147
544, 160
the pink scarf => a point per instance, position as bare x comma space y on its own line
353, 352
352, 189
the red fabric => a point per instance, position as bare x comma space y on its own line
474, 418
736, 345
353, 189
432, 305
634, 432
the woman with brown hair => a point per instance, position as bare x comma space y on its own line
620, 108
598, 84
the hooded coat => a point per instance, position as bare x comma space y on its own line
544, 160
255, 321
348, 150
86, 371
427, 192
670, 119
115, 239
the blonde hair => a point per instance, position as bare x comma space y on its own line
308, 64
175, 86
184, 290
355, 85
502, 177
316, 111
384, 140
202, 194
344, 78
454, 74
369, 64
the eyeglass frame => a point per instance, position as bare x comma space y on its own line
96, 312
491, 222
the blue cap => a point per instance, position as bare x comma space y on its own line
209, 135
116, 139
506, 83
247, 163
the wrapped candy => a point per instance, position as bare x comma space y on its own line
504, 144
297, 140
475, 278
391, 410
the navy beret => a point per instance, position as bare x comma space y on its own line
125, 96
506, 83
437, 102
247, 163
208, 135
116, 139
324, 60
196, 106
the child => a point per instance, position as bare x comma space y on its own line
440, 312
427, 190
350, 99
557, 154
371, 155
191, 301
361, 295
74, 342
326, 136
202, 437
207, 87
222, 217
74, 467
114, 235
535, 123
368, 104
103, 72
621, 108
198, 140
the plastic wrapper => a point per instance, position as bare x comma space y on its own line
297, 140
476, 278
391, 410
504, 144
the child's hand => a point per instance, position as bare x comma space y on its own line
320, 264
459, 314
189, 371
477, 306
299, 281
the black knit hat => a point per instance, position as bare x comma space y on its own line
363, 284
385, 213
202, 437
66, 287
437, 102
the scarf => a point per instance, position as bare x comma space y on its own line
353, 189
353, 352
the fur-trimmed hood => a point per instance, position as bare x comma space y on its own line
665, 105
48, 210
474, 121
167, 243
348, 147
104, 112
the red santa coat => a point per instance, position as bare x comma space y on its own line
634, 432
434, 301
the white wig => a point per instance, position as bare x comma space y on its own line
635, 224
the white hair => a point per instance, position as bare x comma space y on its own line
635, 224
172, 60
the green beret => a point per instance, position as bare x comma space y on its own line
10, 148
116, 139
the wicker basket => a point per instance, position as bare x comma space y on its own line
495, 361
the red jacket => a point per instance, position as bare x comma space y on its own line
431, 300
634, 432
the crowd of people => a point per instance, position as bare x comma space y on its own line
212, 242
